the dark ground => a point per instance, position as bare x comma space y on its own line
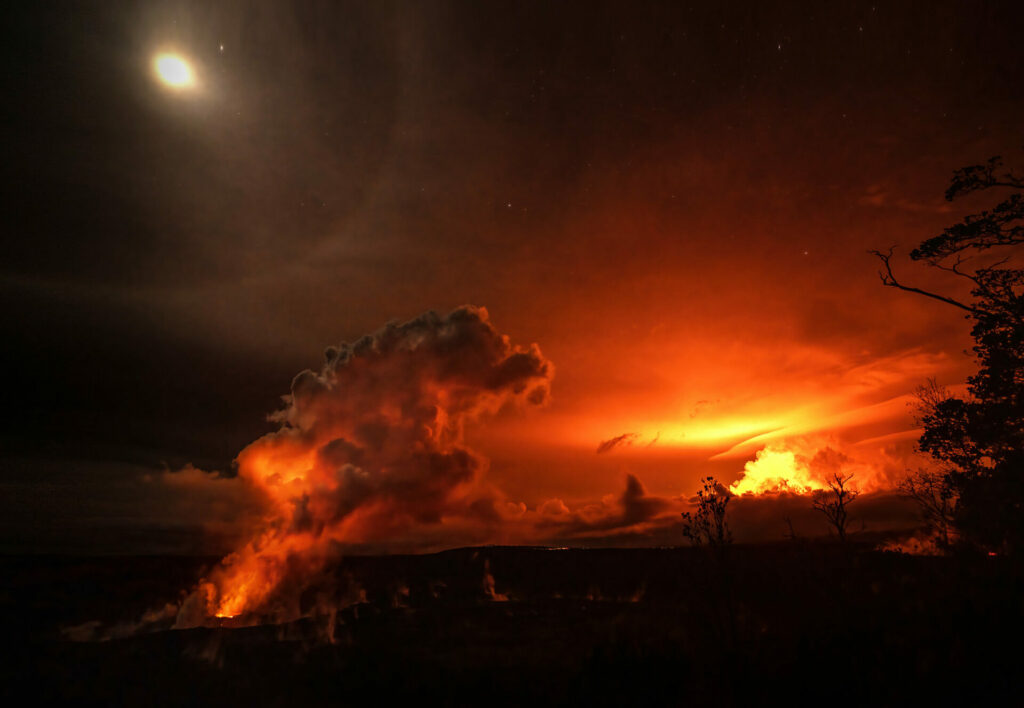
804, 624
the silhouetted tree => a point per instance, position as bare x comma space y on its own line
930, 488
934, 495
707, 525
978, 439
832, 502
791, 534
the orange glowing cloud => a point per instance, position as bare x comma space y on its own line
370, 447
802, 467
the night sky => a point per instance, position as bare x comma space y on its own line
674, 202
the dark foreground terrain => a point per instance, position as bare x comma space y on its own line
804, 624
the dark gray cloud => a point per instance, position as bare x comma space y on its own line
618, 441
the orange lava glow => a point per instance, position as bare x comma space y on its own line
776, 470
803, 467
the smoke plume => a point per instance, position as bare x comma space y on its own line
371, 447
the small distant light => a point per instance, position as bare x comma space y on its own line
173, 71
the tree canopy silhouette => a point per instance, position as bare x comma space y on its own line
978, 439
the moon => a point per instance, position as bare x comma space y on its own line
174, 71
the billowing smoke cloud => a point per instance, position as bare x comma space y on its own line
370, 448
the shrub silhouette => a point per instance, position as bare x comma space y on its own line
707, 525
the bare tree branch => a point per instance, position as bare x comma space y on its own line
889, 280
833, 502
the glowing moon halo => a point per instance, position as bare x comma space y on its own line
173, 71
